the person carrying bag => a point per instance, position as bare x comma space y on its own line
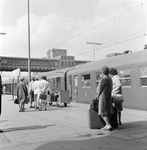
117, 97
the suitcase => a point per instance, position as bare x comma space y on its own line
113, 118
94, 120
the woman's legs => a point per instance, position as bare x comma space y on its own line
107, 121
119, 117
21, 106
40, 106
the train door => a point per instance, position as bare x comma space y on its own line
70, 87
58, 83
76, 88
73, 88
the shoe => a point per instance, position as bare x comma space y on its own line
103, 128
36, 107
1, 131
21, 110
120, 123
39, 109
108, 128
45, 109
31, 107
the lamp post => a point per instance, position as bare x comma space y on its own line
29, 52
94, 43
1, 90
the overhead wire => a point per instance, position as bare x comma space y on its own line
116, 39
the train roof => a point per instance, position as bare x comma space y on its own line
116, 61
52, 74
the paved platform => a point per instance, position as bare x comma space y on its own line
66, 128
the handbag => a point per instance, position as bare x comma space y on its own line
43, 96
118, 98
94, 104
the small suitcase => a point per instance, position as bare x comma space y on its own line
113, 118
94, 120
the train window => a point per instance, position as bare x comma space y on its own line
76, 81
143, 76
57, 82
85, 80
54, 83
125, 76
99, 75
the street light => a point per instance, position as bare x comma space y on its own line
29, 55
94, 43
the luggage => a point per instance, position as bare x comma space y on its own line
94, 120
113, 118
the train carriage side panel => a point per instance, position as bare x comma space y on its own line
135, 97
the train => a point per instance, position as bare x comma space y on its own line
81, 81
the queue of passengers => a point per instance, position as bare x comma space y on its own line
37, 93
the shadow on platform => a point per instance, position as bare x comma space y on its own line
27, 128
124, 137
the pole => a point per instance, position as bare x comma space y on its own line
29, 55
94, 48
94, 51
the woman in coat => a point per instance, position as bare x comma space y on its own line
117, 89
22, 93
103, 92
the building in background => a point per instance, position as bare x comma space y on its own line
65, 61
56, 59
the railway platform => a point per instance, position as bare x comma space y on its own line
66, 128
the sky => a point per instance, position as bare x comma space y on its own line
118, 25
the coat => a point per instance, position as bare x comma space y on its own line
104, 90
22, 92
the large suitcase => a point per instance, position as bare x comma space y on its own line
113, 118
94, 120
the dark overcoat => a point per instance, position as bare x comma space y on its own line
22, 92
104, 90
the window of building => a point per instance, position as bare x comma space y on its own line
85, 79
99, 75
125, 76
143, 76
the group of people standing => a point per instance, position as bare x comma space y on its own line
108, 86
32, 92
